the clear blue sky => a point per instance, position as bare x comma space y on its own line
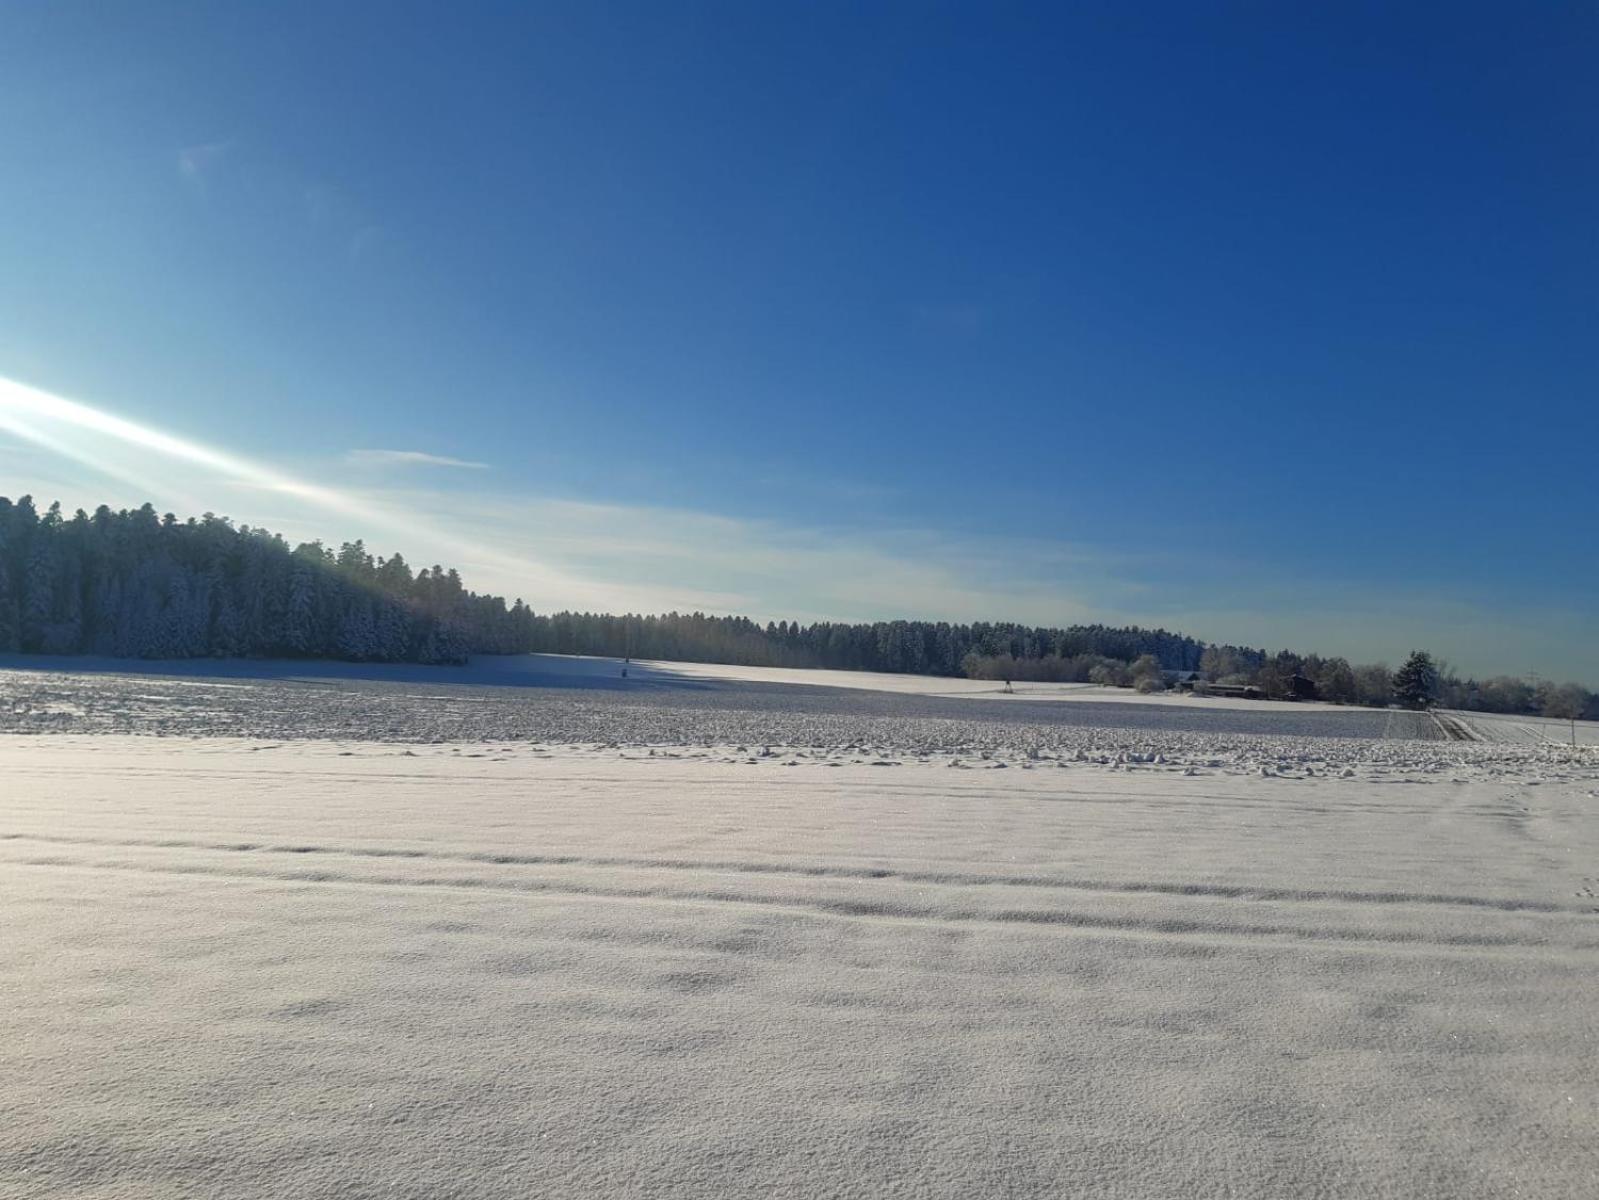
1263, 323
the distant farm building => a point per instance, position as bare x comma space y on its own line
1237, 691
1302, 688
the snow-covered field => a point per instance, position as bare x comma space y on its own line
579, 671
1534, 731
275, 938
550, 698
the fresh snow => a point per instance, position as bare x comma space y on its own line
278, 938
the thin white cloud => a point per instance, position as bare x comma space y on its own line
332, 217
676, 558
195, 160
409, 458
196, 164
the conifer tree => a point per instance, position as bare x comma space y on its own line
1416, 683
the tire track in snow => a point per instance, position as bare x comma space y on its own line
1240, 892
850, 909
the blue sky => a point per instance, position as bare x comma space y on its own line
1266, 324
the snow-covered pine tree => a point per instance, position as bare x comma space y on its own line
358, 632
38, 594
105, 597
299, 618
9, 608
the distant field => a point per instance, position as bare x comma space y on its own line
536, 697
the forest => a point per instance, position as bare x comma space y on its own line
135, 584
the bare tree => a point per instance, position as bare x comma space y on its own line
1147, 675
1563, 701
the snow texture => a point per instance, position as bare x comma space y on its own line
547, 698
1526, 730
627, 951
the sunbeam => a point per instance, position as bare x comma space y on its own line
12, 422
49, 421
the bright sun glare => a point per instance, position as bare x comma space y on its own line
71, 429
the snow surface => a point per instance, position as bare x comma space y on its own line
932, 685
1503, 727
589, 700
586, 672
884, 954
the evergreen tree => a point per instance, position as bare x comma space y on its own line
10, 614
1416, 683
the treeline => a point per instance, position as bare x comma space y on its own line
140, 585
137, 585
1420, 682
900, 647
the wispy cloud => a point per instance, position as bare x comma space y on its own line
681, 558
329, 213
409, 458
195, 161
196, 164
